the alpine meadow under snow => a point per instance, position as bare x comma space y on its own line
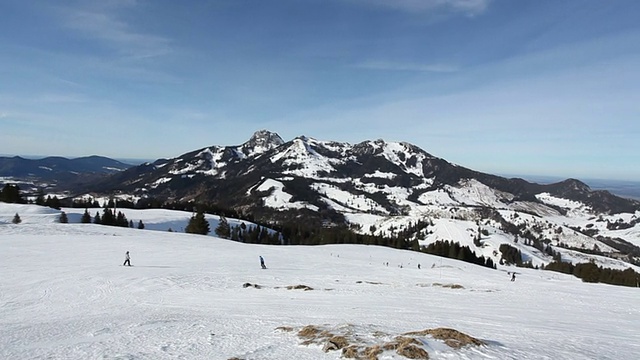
64, 295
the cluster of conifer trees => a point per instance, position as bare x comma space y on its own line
510, 255
10, 193
454, 250
110, 218
590, 272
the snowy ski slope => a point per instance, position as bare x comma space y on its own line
64, 295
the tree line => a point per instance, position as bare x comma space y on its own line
590, 272
454, 250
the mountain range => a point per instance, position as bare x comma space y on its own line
384, 188
54, 172
392, 177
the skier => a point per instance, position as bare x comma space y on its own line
262, 263
127, 259
513, 277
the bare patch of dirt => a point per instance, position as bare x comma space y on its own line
450, 286
246, 285
285, 328
299, 287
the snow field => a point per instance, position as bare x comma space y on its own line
64, 295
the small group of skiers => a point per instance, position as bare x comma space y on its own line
127, 260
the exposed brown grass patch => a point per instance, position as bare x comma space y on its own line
406, 341
354, 345
335, 342
371, 352
350, 352
453, 338
308, 332
413, 352
340, 341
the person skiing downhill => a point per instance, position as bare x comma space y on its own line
262, 263
127, 259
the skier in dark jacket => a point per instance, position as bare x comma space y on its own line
127, 259
262, 263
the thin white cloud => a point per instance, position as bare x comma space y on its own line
398, 66
468, 7
102, 23
61, 98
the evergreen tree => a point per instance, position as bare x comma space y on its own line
588, 272
108, 217
16, 219
264, 236
223, 230
510, 254
452, 251
52, 202
140, 225
63, 218
121, 220
198, 224
11, 194
40, 198
415, 245
254, 234
97, 219
86, 218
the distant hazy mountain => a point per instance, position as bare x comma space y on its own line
54, 170
623, 188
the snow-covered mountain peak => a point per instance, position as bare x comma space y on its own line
260, 142
300, 158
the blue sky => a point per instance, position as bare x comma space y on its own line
528, 87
